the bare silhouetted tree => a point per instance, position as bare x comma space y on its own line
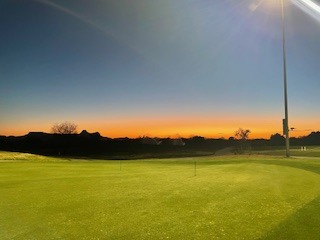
242, 136
64, 128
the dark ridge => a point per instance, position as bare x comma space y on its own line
93, 145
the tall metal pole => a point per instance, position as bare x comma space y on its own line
286, 121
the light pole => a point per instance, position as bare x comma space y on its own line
285, 120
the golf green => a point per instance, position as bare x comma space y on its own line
228, 197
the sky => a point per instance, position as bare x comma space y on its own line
158, 67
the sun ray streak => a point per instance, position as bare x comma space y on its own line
103, 29
255, 5
308, 7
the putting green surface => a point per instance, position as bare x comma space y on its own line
231, 197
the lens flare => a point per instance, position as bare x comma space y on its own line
308, 7
103, 29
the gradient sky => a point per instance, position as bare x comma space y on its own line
157, 67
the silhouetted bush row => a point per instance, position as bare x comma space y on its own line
94, 145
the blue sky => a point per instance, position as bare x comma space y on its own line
153, 67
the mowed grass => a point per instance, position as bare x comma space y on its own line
231, 197
312, 151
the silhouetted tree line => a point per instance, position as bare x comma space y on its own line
94, 145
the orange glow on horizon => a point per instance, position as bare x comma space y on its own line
209, 127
